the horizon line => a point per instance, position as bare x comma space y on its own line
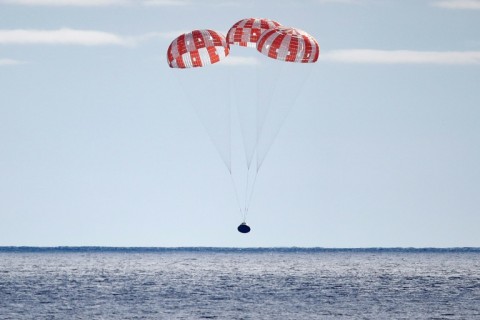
226, 249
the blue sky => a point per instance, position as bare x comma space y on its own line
99, 146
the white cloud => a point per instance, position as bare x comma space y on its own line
67, 36
10, 62
97, 3
402, 57
458, 4
78, 3
62, 36
168, 35
104, 3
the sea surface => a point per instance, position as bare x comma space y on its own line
225, 283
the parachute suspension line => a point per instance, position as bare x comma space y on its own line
235, 189
251, 192
242, 214
302, 83
288, 110
266, 103
186, 82
246, 192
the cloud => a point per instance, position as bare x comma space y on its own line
67, 36
10, 62
62, 36
167, 35
403, 57
59, 3
458, 4
100, 3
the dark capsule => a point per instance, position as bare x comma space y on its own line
243, 228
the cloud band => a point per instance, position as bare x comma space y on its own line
403, 57
61, 36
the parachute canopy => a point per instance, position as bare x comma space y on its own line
197, 49
246, 32
289, 44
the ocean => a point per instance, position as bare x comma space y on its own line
228, 283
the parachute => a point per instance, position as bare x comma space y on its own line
197, 49
246, 32
288, 44
255, 96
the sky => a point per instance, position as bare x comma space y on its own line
99, 145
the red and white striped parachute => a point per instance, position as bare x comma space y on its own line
289, 44
197, 49
246, 32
